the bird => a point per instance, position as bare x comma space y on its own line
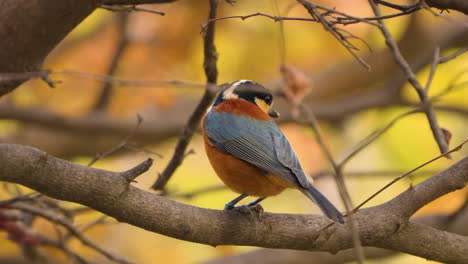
248, 151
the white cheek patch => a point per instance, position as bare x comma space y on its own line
229, 93
234, 85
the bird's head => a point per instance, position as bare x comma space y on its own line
251, 92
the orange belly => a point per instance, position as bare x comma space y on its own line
242, 177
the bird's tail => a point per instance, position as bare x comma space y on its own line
325, 205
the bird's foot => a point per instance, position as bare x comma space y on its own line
258, 209
229, 206
252, 210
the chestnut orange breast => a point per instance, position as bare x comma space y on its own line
240, 176
242, 107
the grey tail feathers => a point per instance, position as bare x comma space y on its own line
328, 209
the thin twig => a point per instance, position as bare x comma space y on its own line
136, 148
127, 9
19, 198
339, 179
86, 227
211, 72
282, 35
63, 247
439, 14
136, 171
22, 76
329, 26
453, 85
119, 146
457, 148
72, 229
398, 7
338, 17
439, 60
346, 20
244, 17
453, 56
453, 109
435, 62
380, 173
103, 99
401, 61
373, 136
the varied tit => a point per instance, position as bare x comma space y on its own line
249, 152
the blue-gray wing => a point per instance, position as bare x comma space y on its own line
259, 143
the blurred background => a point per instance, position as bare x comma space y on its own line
155, 50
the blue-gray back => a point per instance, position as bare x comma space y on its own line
257, 142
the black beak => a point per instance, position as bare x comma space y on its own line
272, 112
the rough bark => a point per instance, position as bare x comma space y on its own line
385, 226
30, 29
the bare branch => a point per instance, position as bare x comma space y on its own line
70, 228
24, 76
63, 247
384, 226
281, 256
107, 79
275, 256
459, 5
339, 179
434, 64
275, 18
119, 146
457, 148
372, 137
141, 168
406, 68
103, 99
398, 7
211, 72
338, 17
312, 9
130, 9
72, 134
453, 56
26, 49
377, 173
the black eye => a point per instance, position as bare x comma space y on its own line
268, 99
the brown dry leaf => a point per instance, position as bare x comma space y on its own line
447, 135
296, 84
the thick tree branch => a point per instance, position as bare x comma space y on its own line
383, 226
459, 5
30, 29
275, 256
